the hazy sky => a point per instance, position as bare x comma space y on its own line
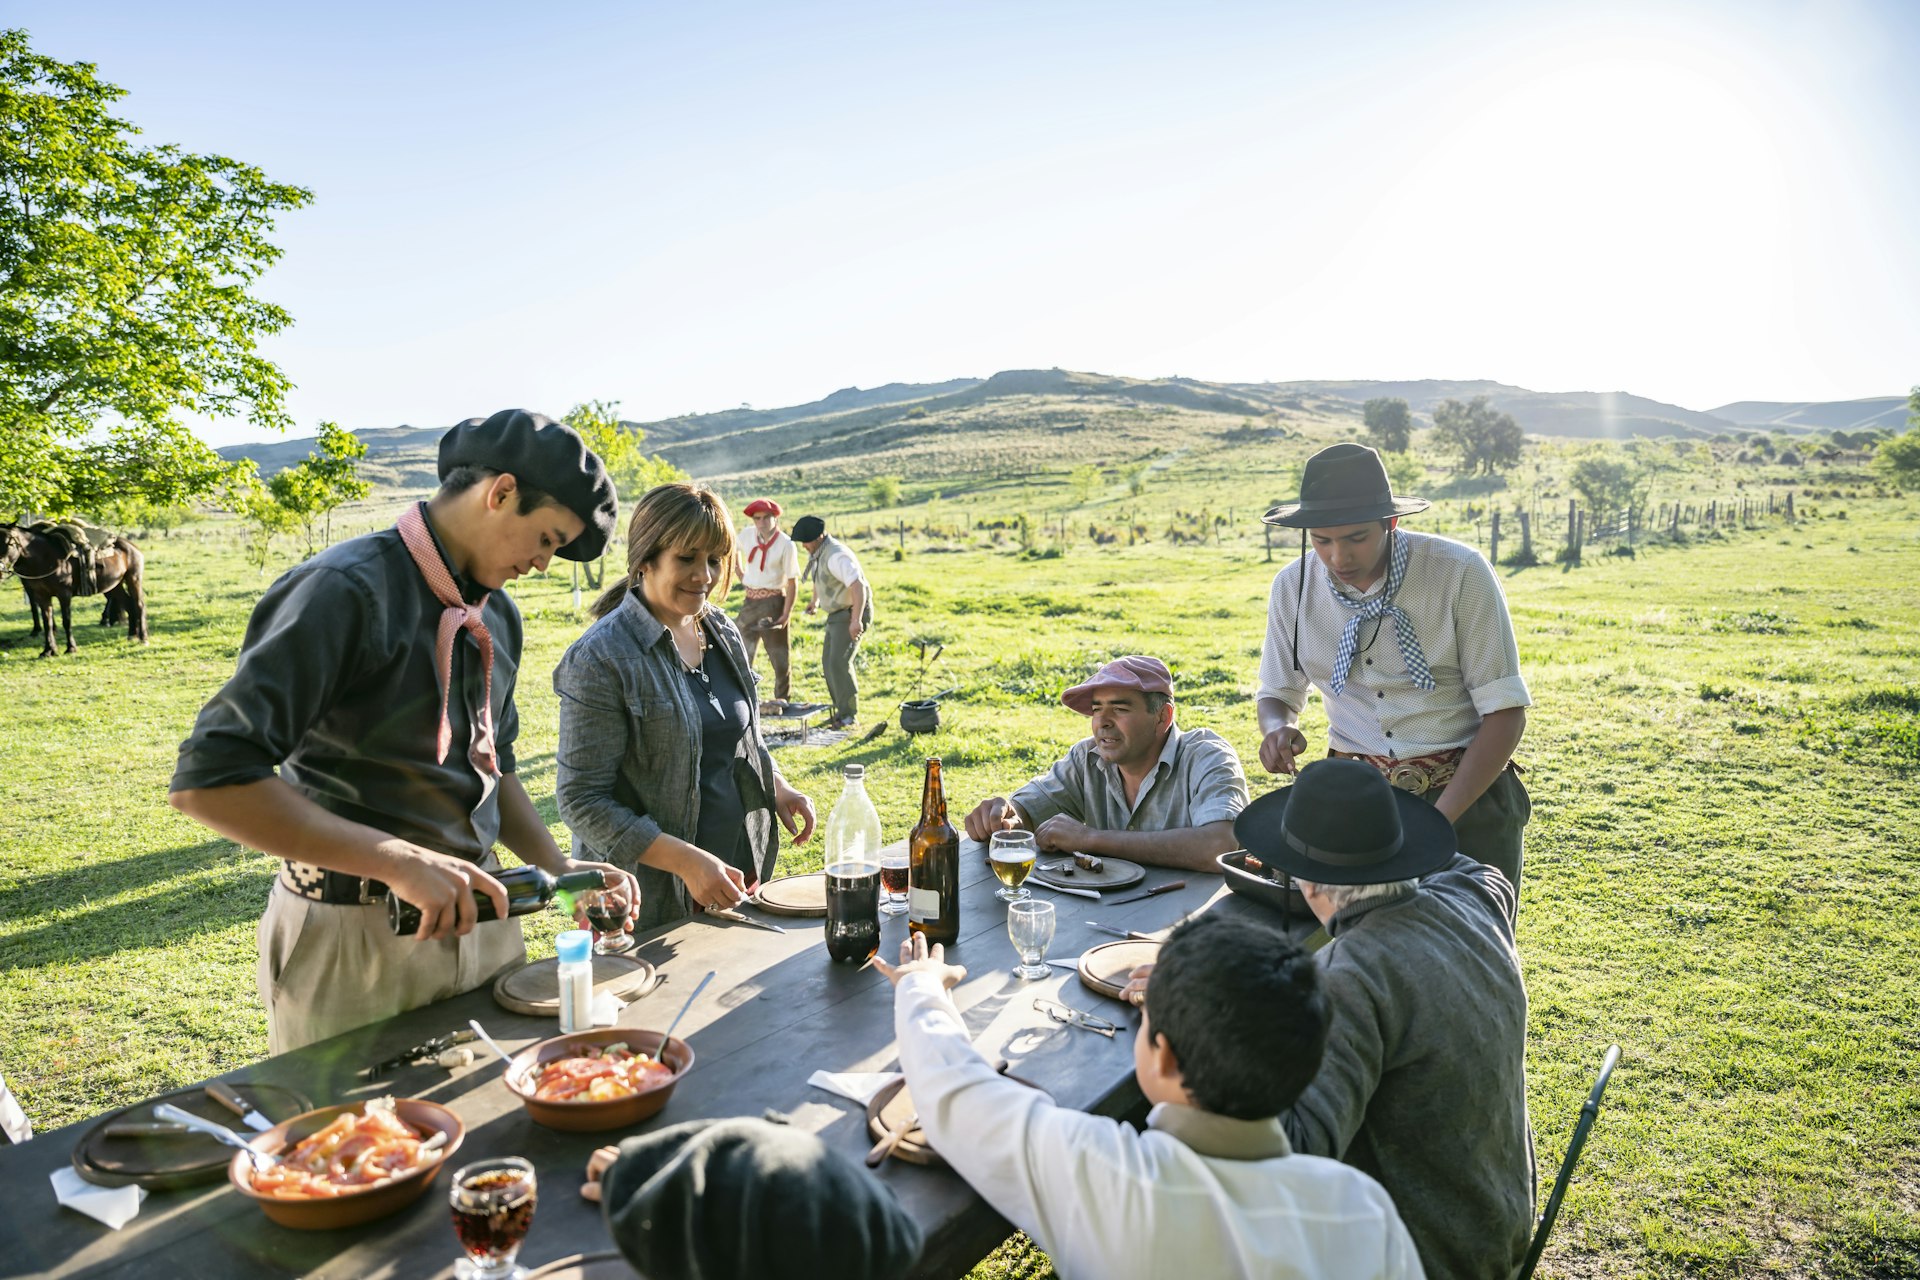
686, 207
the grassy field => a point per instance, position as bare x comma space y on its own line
1722, 870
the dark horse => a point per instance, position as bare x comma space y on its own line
45, 566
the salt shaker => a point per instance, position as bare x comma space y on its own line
575, 947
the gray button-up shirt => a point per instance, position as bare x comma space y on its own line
1197, 780
335, 687
628, 765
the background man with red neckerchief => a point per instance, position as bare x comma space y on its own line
366, 737
1407, 637
769, 569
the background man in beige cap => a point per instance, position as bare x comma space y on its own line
1138, 787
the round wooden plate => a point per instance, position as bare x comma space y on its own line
1116, 873
175, 1160
894, 1106
1105, 967
794, 895
534, 988
585, 1266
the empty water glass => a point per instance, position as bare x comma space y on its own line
1030, 925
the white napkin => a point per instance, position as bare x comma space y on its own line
114, 1206
606, 1008
860, 1086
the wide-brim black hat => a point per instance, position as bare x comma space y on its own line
1343, 484
545, 455
1342, 823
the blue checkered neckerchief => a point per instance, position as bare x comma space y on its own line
1366, 610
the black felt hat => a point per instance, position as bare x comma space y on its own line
718, 1199
545, 455
1343, 484
1341, 823
807, 528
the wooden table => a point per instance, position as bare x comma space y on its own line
777, 1011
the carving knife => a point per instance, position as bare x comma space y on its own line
734, 917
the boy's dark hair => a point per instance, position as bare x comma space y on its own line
461, 479
1242, 1008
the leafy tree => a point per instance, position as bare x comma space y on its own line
1084, 479
125, 273
1485, 439
1404, 471
633, 471
1604, 477
259, 511
1898, 459
1135, 474
1389, 424
329, 476
883, 491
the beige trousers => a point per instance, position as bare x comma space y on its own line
326, 968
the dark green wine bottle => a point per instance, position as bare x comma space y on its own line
529, 889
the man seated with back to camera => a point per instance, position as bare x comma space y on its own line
1137, 787
1233, 1030
1424, 1083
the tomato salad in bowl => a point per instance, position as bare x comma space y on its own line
607, 1078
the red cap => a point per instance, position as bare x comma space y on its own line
762, 507
1149, 675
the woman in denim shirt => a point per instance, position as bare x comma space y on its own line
661, 769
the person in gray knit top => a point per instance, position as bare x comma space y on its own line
1424, 1081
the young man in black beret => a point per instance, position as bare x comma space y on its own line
842, 591
1234, 1027
1407, 637
366, 736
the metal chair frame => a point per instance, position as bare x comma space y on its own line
1589, 1112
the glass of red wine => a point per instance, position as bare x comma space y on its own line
607, 914
493, 1204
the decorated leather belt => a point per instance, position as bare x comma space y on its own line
318, 884
764, 593
1418, 775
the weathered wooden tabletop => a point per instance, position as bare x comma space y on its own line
777, 1011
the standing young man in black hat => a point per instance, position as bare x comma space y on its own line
1407, 637
377, 678
841, 590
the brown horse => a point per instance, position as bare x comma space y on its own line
46, 568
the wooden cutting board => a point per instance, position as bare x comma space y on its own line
794, 895
1105, 967
534, 988
1114, 873
894, 1106
176, 1160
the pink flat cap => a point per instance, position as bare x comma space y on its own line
1149, 675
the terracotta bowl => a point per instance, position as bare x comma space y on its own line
354, 1207
614, 1113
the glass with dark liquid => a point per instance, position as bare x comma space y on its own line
493, 1203
853, 910
893, 881
607, 917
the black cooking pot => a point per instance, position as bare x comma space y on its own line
922, 715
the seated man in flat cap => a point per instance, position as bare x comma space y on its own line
1424, 1083
769, 569
748, 1200
1235, 1022
366, 736
1139, 787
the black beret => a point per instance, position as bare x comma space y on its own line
807, 528
719, 1199
545, 455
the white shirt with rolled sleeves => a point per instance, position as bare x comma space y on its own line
1461, 617
1196, 1194
772, 572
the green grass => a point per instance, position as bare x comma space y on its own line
1721, 873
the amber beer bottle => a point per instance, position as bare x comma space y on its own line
933, 867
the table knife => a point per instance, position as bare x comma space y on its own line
229, 1097
1169, 887
734, 917
1135, 935
145, 1129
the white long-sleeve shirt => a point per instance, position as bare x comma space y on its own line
1196, 1195
1454, 600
